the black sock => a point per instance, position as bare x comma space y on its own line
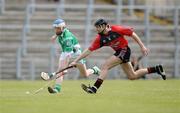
151, 69
97, 84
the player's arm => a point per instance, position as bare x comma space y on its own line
140, 43
128, 31
84, 54
95, 45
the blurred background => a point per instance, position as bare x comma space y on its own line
26, 28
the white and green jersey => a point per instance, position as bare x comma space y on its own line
69, 44
67, 41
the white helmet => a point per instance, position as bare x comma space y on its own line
59, 23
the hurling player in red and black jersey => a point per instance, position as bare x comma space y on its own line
114, 37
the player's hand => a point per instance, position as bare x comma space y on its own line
73, 64
53, 38
145, 51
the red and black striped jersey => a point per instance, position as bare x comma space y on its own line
115, 38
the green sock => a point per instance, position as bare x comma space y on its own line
57, 87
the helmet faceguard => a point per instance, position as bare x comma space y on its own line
101, 23
59, 23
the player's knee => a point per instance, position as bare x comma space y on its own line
104, 67
85, 74
131, 78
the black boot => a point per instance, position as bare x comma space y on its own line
88, 89
160, 71
52, 90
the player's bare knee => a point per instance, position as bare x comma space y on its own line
104, 67
131, 78
85, 74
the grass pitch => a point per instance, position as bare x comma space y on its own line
115, 96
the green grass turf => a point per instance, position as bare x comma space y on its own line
115, 96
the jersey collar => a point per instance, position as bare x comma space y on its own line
62, 34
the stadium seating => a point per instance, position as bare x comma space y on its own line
38, 39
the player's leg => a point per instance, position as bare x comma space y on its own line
83, 70
131, 74
59, 80
63, 62
86, 72
82, 67
57, 86
128, 69
110, 63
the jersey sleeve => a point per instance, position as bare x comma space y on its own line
124, 30
95, 44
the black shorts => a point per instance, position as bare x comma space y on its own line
124, 54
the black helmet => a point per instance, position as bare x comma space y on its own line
100, 22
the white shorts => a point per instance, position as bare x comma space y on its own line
71, 55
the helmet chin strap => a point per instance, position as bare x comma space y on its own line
60, 32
